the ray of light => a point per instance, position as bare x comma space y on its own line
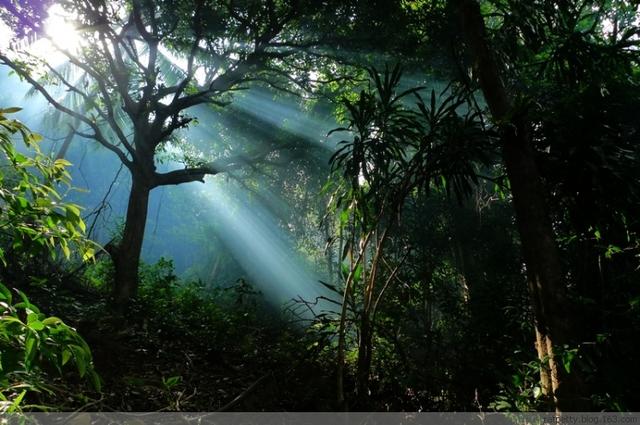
287, 115
261, 246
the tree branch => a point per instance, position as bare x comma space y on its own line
187, 175
98, 136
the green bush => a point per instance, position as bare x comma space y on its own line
35, 223
32, 347
34, 220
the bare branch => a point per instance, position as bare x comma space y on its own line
120, 74
110, 114
98, 135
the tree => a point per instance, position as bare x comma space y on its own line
143, 64
566, 42
532, 51
556, 45
395, 151
26, 17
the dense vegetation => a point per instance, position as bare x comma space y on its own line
402, 205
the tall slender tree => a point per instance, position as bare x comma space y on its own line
553, 320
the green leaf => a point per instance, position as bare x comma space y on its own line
15, 405
171, 381
537, 392
5, 294
95, 380
88, 254
65, 250
567, 359
66, 356
29, 351
32, 317
611, 250
357, 273
72, 211
344, 217
22, 202
11, 110
36, 325
35, 138
81, 359
60, 162
10, 319
50, 321
20, 159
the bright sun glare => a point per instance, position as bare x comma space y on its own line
61, 34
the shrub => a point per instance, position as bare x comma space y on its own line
35, 222
33, 218
32, 347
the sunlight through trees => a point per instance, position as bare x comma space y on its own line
305, 205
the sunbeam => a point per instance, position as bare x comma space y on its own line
264, 250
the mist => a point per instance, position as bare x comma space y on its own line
218, 231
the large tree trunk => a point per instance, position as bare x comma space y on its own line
544, 272
552, 310
126, 255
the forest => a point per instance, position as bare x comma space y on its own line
319, 205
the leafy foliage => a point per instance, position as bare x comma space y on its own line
33, 346
34, 219
428, 306
208, 343
397, 151
35, 222
397, 148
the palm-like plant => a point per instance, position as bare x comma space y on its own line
396, 148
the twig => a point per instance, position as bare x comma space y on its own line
90, 404
103, 204
243, 394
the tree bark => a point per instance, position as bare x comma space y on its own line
126, 255
62, 153
364, 362
541, 255
543, 356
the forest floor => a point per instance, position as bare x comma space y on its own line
187, 360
